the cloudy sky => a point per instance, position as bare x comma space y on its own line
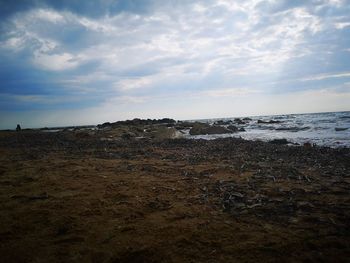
86, 62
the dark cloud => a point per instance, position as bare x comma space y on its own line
8, 8
86, 8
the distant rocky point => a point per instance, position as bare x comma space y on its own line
137, 121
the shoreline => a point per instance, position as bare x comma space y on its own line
70, 196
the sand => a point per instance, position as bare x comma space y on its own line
71, 198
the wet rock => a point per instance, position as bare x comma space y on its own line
268, 122
340, 129
104, 125
307, 145
163, 132
238, 121
222, 122
279, 141
181, 125
247, 119
293, 129
233, 128
204, 129
137, 121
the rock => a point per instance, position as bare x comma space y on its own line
293, 129
180, 125
279, 141
247, 119
233, 128
238, 121
307, 145
340, 129
127, 135
222, 122
268, 122
82, 135
104, 125
197, 128
137, 121
203, 129
162, 132
217, 130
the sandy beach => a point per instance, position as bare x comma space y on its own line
75, 196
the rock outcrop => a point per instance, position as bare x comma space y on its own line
268, 122
204, 129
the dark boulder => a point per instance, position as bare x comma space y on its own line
279, 141
307, 145
104, 125
340, 129
198, 127
293, 129
268, 122
222, 122
233, 128
137, 122
204, 129
181, 125
238, 121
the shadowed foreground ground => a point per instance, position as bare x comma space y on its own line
71, 198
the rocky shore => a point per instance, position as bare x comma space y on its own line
135, 191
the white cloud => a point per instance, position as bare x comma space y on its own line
201, 48
327, 76
135, 83
47, 16
55, 62
229, 92
127, 100
341, 25
128, 40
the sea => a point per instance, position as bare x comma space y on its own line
330, 129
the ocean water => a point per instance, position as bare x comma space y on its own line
330, 129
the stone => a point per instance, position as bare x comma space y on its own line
204, 129
279, 141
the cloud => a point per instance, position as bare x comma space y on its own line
327, 76
55, 62
342, 25
230, 92
162, 50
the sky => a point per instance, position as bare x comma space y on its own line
73, 62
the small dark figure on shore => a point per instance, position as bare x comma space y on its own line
18, 128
